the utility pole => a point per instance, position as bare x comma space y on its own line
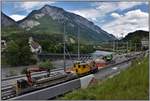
117, 46
130, 45
114, 46
122, 38
141, 46
64, 49
122, 35
135, 47
78, 43
127, 46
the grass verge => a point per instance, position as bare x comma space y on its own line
131, 84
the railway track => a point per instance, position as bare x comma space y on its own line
8, 91
19, 76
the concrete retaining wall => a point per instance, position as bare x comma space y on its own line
86, 80
50, 92
56, 90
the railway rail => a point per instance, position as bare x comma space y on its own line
19, 76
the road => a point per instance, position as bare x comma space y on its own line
104, 73
111, 71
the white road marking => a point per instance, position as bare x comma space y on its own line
115, 68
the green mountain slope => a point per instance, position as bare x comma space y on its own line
10, 30
136, 36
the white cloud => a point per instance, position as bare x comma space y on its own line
17, 17
102, 8
111, 6
106, 7
136, 13
90, 14
29, 6
115, 15
131, 21
126, 5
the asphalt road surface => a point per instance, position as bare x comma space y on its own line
104, 73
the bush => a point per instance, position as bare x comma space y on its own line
24, 71
33, 61
46, 64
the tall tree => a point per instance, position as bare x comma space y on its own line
18, 53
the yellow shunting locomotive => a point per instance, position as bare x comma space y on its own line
82, 68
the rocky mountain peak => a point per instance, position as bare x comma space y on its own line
54, 12
7, 21
50, 9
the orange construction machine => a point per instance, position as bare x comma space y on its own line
23, 84
30, 70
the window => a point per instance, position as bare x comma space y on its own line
84, 66
79, 66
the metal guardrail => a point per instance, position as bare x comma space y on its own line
57, 54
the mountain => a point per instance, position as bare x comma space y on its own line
136, 36
7, 21
51, 20
9, 26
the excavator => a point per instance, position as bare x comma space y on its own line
30, 82
35, 83
30, 70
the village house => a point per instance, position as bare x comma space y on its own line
34, 46
145, 42
3, 45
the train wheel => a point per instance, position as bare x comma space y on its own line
95, 70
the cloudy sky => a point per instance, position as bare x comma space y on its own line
117, 18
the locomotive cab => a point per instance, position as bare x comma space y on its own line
108, 58
81, 68
21, 85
